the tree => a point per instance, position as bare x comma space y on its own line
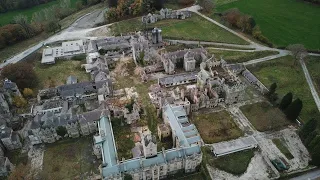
286, 101
273, 88
272, 95
313, 144
27, 92
61, 131
294, 109
113, 3
207, 5
309, 138
232, 16
23, 21
298, 51
21, 73
307, 128
19, 102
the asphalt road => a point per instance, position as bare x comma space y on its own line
78, 28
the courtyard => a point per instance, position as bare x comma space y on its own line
69, 158
216, 126
57, 74
264, 117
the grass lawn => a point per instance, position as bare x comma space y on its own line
284, 22
235, 163
69, 158
194, 28
239, 57
289, 78
264, 117
58, 73
216, 127
313, 65
7, 18
282, 147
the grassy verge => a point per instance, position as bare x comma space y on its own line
281, 146
274, 20
289, 78
313, 65
264, 117
194, 28
239, 57
69, 158
216, 127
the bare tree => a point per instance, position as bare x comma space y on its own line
298, 51
22, 20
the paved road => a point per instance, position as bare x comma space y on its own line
77, 30
313, 175
310, 83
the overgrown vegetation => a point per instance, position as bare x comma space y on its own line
264, 117
68, 158
123, 138
281, 146
216, 127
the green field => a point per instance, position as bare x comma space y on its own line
194, 28
289, 78
264, 117
7, 18
284, 22
235, 163
239, 57
313, 65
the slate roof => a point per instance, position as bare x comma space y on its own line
178, 78
79, 88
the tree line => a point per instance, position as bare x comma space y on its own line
9, 5
246, 23
46, 20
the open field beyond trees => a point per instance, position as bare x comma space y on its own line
283, 22
289, 78
69, 158
216, 127
239, 57
194, 28
264, 117
313, 65
57, 74
7, 18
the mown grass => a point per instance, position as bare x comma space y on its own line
284, 22
239, 57
264, 117
313, 65
7, 18
284, 150
235, 163
194, 28
289, 78
216, 127
69, 158
58, 73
